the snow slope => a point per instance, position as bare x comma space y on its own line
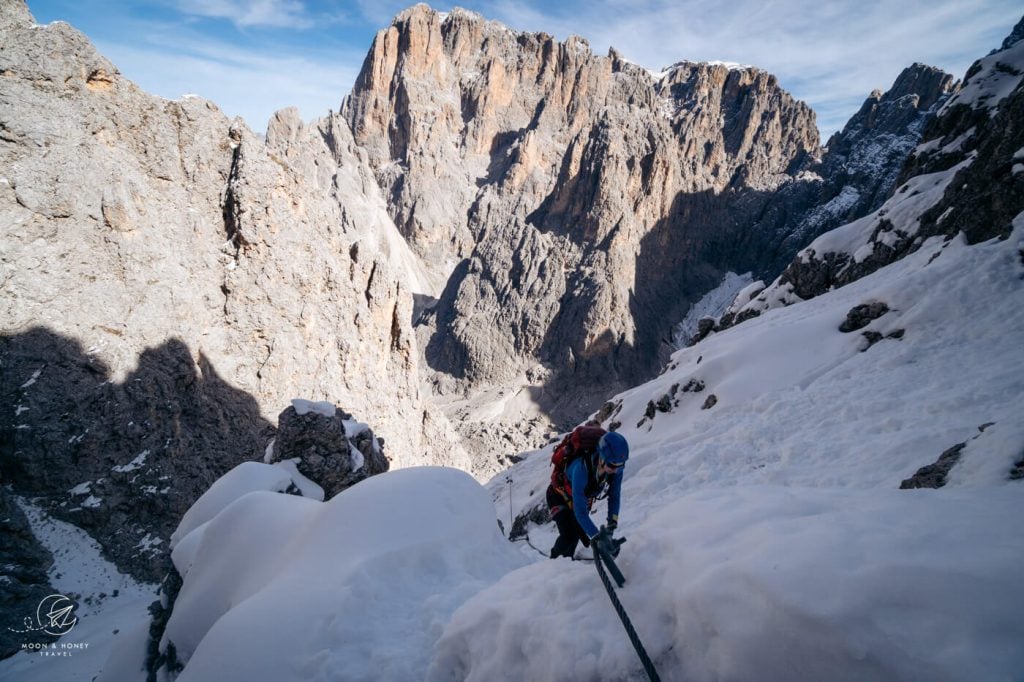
768, 536
110, 605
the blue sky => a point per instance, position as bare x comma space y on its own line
252, 57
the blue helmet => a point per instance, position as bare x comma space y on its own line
613, 448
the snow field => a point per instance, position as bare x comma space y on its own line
768, 537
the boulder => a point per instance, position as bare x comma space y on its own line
328, 446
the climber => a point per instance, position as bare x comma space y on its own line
586, 463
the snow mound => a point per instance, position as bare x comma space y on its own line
359, 587
244, 478
769, 583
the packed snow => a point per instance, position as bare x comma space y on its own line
768, 538
245, 478
321, 407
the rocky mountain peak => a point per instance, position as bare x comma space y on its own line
961, 179
916, 90
928, 83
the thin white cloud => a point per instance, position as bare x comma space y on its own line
379, 13
241, 82
251, 13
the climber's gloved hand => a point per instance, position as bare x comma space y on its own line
611, 545
603, 543
611, 527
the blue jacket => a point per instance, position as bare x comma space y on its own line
576, 472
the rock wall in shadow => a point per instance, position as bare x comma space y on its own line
122, 459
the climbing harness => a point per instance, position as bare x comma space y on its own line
634, 639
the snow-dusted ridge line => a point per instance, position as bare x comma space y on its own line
731, 66
998, 75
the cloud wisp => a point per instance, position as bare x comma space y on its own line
252, 83
251, 13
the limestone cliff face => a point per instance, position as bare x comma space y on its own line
170, 282
572, 202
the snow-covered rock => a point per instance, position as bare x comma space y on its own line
359, 587
326, 445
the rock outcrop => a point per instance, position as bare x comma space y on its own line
327, 446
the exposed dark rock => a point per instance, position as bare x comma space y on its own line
161, 662
693, 386
1016, 35
862, 315
710, 402
608, 410
664, 403
934, 475
1017, 472
744, 315
872, 339
705, 326
538, 514
896, 334
325, 451
651, 410
138, 452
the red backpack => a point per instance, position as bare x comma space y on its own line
582, 441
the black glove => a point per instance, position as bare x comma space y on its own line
611, 526
608, 544
603, 543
